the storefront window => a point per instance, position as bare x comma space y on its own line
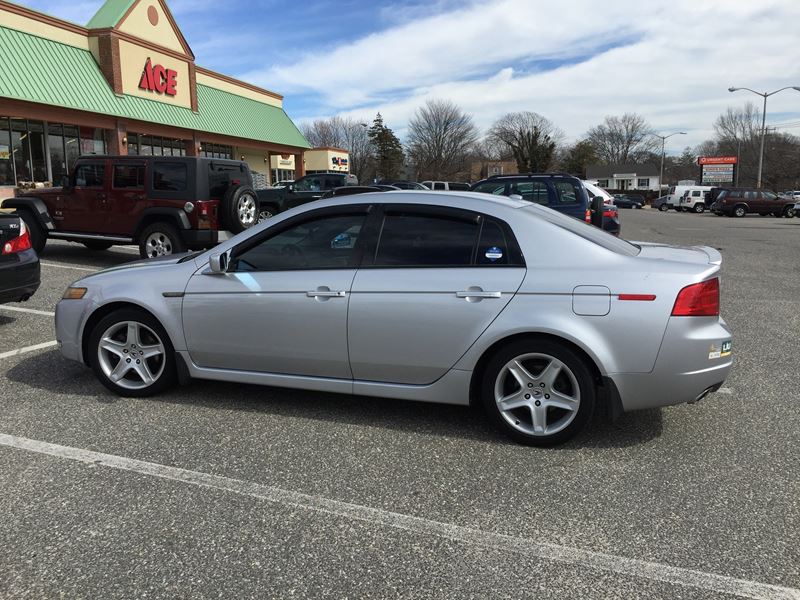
55, 147
6, 167
38, 157
20, 148
92, 141
216, 150
72, 147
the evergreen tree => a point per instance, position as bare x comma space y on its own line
387, 150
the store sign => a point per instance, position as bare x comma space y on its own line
718, 174
156, 78
339, 161
717, 160
4, 152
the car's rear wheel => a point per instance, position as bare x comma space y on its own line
240, 208
663, 208
37, 234
699, 208
266, 211
160, 239
97, 246
739, 211
131, 354
538, 392
789, 212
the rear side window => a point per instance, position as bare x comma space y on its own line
438, 185
498, 188
459, 187
493, 247
532, 191
90, 175
414, 240
567, 193
128, 177
170, 177
769, 196
751, 195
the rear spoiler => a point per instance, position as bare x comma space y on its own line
714, 256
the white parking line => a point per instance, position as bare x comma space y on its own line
30, 311
11, 353
619, 565
62, 266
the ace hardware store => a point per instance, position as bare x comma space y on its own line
126, 83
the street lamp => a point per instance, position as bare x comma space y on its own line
764, 95
663, 139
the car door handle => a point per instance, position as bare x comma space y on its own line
478, 294
326, 294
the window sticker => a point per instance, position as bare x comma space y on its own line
494, 253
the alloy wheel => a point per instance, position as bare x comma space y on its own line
131, 355
537, 394
158, 244
246, 209
265, 214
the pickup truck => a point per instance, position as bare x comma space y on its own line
306, 189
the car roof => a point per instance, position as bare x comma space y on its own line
467, 200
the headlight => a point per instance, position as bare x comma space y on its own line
74, 293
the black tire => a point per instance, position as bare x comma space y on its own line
37, 234
160, 239
663, 208
240, 208
740, 211
167, 376
789, 212
97, 246
574, 364
699, 208
266, 211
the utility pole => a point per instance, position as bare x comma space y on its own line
663, 139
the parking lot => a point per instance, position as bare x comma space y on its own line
221, 490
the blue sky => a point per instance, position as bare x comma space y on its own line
573, 62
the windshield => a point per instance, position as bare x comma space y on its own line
585, 230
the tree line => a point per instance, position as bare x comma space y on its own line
443, 143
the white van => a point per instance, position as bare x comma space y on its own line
694, 199
676, 192
446, 186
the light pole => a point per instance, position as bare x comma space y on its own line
663, 139
764, 95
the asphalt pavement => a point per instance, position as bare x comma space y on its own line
230, 491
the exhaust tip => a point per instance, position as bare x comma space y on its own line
706, 392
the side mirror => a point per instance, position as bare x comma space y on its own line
218, 263
597, 211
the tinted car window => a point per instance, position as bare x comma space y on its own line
567, 193
309, 184
532, 191
497, 188
751, 195
459, 187
769, 196
493, 247
412, 240
128, 177
323, 243
170, 177
438, 185
90, 175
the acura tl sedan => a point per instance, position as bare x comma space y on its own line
456, 298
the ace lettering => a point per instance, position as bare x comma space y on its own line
156, 78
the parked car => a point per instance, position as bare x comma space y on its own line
19, 265
405, 185
306, 189
694, 199
445, 186
418, 296
628, 201
676, 193
564, 193
661, 203
738, 202
165, 205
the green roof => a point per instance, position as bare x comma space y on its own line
38, 70
110, 14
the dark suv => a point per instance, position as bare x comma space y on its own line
560, 192
165, 205
304, 190
737, 202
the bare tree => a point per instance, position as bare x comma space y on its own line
345, 133
743, 123
624, 139
529, 137
440, 139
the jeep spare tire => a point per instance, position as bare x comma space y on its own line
240, 208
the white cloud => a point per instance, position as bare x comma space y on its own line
670, 61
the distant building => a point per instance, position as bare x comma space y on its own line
625, 177
481, 169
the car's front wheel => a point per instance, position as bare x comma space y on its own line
739, 212
131, 354
663, 208
699, 208
160, 239
789, 212
539, 392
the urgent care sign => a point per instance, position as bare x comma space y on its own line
154, 75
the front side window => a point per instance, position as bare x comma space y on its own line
438, 185
322, 243
90, 175
170, 177
696, 194
128, 177
308, 184
415, 240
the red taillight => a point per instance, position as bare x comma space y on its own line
609, 214
19, 243
698, 300
588, 216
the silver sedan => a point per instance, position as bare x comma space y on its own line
456, 298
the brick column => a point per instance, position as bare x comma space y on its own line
193, 146
115, 146
299, 166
